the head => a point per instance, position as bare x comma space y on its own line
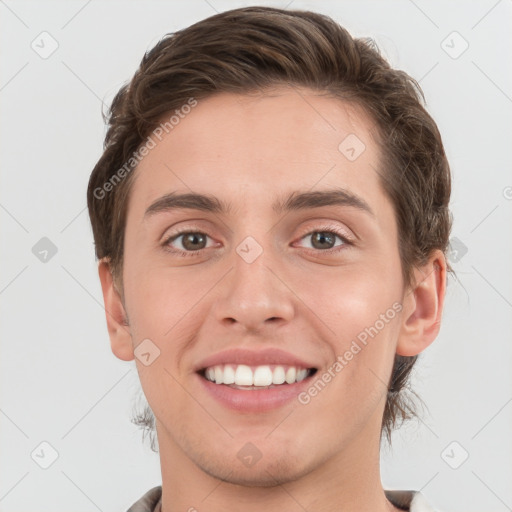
245, 107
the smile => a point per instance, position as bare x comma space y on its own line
241, 376
259, 389
255, 381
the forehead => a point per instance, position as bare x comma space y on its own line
261, 146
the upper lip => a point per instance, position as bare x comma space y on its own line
253, 358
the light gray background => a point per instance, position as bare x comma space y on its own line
61, 384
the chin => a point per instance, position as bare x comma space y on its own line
263, 473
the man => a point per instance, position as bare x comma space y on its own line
271, 220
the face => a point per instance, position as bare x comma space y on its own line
256, 285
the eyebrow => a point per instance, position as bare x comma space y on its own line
293, 202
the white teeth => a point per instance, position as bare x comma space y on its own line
263, 376
279, 375
243, 375
210, 373
229, 375
260, 376
291, 373
301, 374
219, 375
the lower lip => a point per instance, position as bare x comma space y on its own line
255, 400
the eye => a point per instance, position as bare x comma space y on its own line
188, 241
326, 240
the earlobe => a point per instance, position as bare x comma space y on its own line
423, 307
118, 328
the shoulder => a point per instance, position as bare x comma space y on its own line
149, 502
411, 501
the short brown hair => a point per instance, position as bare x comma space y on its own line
255, 48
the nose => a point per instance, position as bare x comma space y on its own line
254, 294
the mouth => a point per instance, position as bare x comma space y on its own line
251, 378
255, 389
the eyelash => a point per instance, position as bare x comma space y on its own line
326, 229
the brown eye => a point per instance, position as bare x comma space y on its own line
323, 240
194, 241
190, 241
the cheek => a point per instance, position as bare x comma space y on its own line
349, 300
159, 299
362, 313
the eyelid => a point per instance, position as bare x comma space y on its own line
344, 234
191, 225
346, 242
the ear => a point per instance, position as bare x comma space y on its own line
423, 307
117, 323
